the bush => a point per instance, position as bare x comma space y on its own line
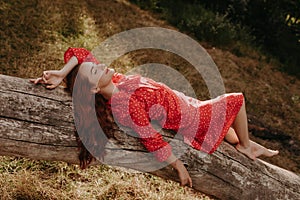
192, 17
234, 24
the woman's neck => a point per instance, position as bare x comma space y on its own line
109, 90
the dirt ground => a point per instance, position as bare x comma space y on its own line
36, 39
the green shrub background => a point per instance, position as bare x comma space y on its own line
270, 26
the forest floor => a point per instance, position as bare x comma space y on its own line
34, 36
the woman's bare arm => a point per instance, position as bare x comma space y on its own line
52, 78
183, 174
69, 66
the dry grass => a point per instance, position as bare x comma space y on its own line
34, 36
27, 179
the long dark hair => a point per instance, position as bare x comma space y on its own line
85, 121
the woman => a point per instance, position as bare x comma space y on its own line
147, 100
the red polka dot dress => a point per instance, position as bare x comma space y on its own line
203, 124
141, 101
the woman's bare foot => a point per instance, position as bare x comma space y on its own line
260, 150
246, 150
255, 150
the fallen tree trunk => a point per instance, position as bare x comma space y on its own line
38, 123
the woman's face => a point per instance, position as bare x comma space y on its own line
98, 74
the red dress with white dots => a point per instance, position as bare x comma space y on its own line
141, 101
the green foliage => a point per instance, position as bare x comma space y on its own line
272, 26
203, 24
268, 20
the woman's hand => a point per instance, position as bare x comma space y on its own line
183, 174
51, 79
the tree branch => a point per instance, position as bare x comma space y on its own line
37, 123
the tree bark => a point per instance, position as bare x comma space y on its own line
38, 123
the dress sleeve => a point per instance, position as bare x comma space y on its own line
138, 120
81, 54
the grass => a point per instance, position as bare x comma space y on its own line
28, 179
36, 33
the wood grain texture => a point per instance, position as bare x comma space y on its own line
38, 123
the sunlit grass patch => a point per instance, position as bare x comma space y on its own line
27, 179
36, 33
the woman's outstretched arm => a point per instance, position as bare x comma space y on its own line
53, 78
72, 57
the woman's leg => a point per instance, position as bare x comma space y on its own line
231, 136
240, 126
245, 145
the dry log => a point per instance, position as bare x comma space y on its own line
38, 123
